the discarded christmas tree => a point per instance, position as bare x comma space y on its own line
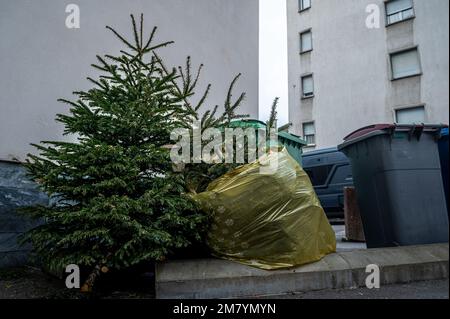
116, 199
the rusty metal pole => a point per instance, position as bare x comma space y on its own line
353, 225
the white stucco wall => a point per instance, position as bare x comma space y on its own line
432, 35
41, 60
350, 64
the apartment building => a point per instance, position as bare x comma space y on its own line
358, 62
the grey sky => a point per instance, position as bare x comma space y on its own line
273, 58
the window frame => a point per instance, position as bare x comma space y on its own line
305, 136
300, 6
409, 107
303, 76
301, 40
386, 16
404, 50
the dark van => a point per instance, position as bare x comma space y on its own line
329, 171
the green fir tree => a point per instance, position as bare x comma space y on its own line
117, 201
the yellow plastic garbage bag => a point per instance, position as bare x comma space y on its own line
267, 218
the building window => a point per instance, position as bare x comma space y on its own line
412, 115
399, 10
305, 41
304, 4
309, 133
307, 86
405, 63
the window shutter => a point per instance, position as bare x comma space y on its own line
307, 85
309, 129
395, 6
413, 115
305, 4
306, 41
405, 64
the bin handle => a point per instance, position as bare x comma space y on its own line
411, 132
420, 131
416, 131
438, 135
391, 131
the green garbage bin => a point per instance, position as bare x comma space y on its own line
293, 143
397, 175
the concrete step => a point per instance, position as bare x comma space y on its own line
217, 278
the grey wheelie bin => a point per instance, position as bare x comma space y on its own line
397, 175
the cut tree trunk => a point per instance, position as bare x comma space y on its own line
92, 278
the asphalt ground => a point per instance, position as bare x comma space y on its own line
435, 289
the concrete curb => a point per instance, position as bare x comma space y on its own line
216, 278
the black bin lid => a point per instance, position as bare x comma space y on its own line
378, 129
368, 129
